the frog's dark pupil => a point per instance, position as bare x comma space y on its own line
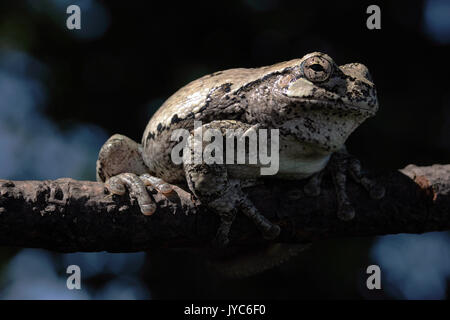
317, 67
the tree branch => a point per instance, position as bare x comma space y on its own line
68, 215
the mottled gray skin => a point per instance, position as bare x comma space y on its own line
315, 104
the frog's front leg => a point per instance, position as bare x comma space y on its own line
342, 163
121, 167
212, 185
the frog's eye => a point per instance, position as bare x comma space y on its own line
316, 69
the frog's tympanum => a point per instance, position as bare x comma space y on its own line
314, 103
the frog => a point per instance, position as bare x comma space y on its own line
312, 102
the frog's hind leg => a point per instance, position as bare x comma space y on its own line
121, 167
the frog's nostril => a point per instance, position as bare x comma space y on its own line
317, 67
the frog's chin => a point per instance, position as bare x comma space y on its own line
324, 135
319, 145
333, 106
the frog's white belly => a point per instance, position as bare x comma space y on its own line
289, 168
301, 168
296, 161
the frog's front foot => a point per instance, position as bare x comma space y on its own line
220, 192
226, 198
340, 165
212, 186
137, 188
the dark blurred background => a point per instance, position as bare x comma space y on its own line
63, 92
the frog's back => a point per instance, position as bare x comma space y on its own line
191, 100
212, 97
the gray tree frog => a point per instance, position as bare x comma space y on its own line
314, 103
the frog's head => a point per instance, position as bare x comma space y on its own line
320, 102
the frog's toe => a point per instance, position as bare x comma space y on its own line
345, 209
115, 186
272, 232
268, 229
136, 188
147, 209
221, 240
157, 183
346, 212
375, 191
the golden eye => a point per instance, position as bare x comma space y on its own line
316, 69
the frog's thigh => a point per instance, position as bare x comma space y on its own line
119, 154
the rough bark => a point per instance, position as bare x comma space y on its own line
68, 215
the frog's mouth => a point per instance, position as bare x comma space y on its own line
326, 131
306, 95
335, 106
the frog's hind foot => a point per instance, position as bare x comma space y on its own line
137, 189
156, 183
121, 168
